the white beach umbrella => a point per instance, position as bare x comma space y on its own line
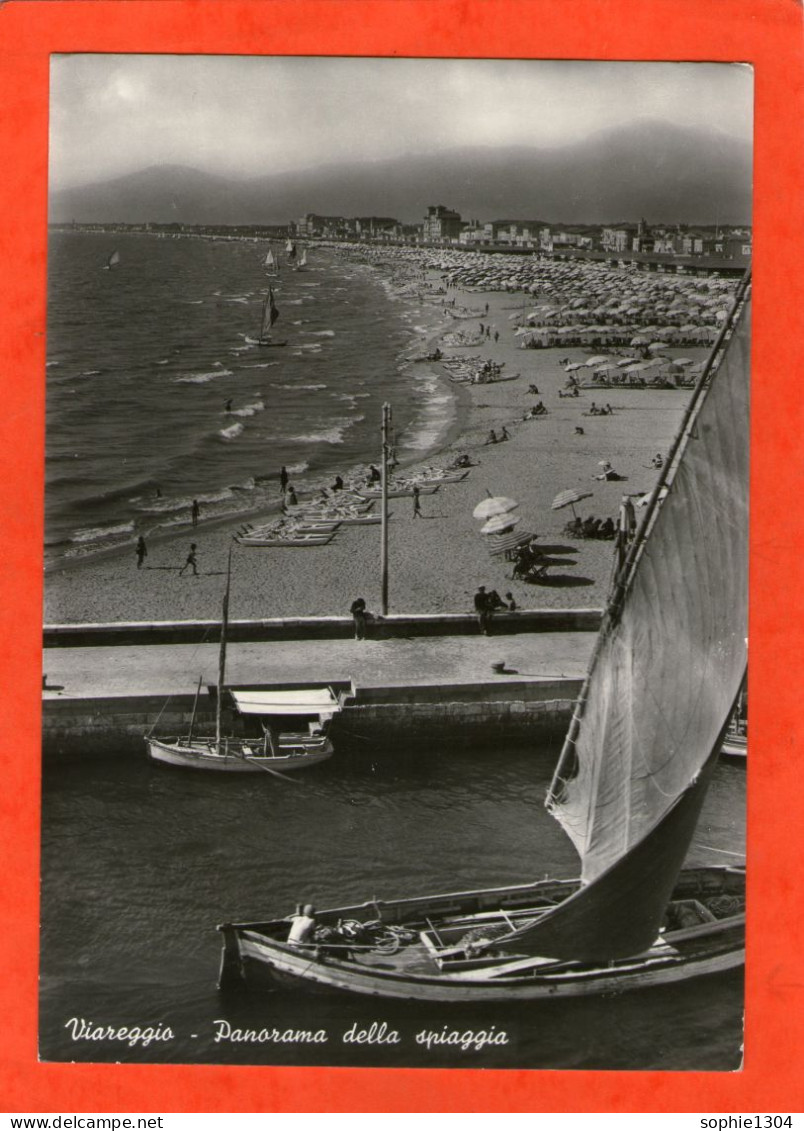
494, 506
500, 523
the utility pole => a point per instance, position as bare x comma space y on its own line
386, 422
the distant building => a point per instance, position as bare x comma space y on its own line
378, 228
441, 224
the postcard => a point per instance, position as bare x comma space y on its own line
392, 409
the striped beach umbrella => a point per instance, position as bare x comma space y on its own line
569, 498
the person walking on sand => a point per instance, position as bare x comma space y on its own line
417, 507
496, 336
142, 551
190, 561
283, 479
196, 510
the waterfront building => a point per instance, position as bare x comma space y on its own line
441, 224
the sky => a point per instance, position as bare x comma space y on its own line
253, 116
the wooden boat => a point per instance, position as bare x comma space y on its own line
290, 732
403, 490
645, 737
288, 540
293, 734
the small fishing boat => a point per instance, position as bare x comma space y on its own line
628, 790
283, 729
288, 540
403, 490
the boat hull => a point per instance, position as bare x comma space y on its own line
250, 953
293, 755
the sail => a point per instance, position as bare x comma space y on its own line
303, 260
290, 248
113, 260
270, 262
270, 313
665, 677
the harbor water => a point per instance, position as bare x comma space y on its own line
140, 862
158, 392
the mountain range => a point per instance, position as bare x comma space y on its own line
653, 170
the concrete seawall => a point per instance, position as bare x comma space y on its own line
385, 716
427, 680
316, 628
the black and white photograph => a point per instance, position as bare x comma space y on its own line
463, 786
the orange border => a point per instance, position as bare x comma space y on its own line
766, 33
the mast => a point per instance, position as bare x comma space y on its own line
386, 419
663, 680
222, 653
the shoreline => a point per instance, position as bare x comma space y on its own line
435, 564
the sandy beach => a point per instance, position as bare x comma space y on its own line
436, 561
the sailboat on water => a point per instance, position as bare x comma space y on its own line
270, 313
628, 788
281, 714
302, 261
271, 264
112, 261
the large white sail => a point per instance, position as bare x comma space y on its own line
667, 670
670, 665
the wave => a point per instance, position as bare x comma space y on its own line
248, 409
330, 436
275, 385
261, 365
99, 533
232, 432
320, 333
169, 506
202, 378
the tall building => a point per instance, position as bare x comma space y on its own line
440, 224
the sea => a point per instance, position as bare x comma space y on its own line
140, 863
144, 356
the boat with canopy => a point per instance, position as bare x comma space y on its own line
628, 789
282, 728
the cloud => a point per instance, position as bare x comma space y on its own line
112, 114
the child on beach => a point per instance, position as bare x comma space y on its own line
190, 561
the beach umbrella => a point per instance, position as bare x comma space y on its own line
494, 506
499, 523
504, 543
598, 359
569, 498
682, 361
